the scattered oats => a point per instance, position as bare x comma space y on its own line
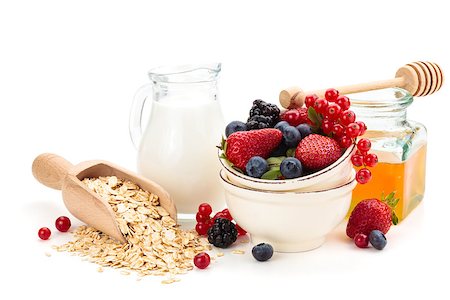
139, 279
156, 245
238, 252
244, 241
47, 254
100, 269
220, 254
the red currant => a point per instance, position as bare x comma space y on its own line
63, 224
292, 116
202, 218
310, 99
327, 126
347, 117
331, 95
205, 209
361, 240
357, 160
345, 142
202, 260
201, 228
240, 230
343, 102
362, 127
352, 130
320, 105
333, 111
44, 233
226, 214
363, 175
371, 160
363, 144
338, 130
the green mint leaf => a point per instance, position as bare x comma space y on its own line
272, 174
275, 161
314, 117
290, 152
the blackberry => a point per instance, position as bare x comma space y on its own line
263, 115
222, 233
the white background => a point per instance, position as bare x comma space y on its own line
68, 73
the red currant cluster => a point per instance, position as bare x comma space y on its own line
335, 118
204, 220
363, 158
62, 224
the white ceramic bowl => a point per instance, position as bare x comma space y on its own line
289, 221
335, 174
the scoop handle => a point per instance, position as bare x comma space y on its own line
50, 170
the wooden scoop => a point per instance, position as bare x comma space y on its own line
419, 78
57, 173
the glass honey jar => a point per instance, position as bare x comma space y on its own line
400, 145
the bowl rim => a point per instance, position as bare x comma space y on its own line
334, 165
327, 190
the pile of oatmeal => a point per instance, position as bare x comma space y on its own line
156, 245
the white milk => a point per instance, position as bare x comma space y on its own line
178, 151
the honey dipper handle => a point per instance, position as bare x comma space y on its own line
50, 170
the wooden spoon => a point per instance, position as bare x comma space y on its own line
57, 173
419, 78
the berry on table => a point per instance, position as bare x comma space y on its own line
262, 252
352, 130
357, 160
240, 230
320, 105
44, 233
222, 233
347, 117
291, 136
363, 175
291, 168
377, 239
370, 160
205, 209
363, 145
310, 99
201, 228
63, 224
304, 130
202, 260
226, 214
362, 127
201, 218
331, 95
257, 166
235, 126
361, 240
343, 102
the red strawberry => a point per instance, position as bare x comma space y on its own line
317, 151
243, 145
372, 214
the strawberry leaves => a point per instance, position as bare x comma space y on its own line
315, 118
392, 202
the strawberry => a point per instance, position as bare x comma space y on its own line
372, 214
317, 151
243, 145
304, 115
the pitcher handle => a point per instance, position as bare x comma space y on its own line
137, 107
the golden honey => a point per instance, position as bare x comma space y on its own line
400, 145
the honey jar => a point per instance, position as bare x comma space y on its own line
400, 145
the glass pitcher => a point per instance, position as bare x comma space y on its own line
177, 145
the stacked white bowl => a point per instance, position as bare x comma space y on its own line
295, 214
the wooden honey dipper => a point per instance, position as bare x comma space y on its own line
57, 173
419, 78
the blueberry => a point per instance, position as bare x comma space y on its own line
291, 168
377, 239
304, 130
281, 125
256, 166
280, 150
262, 252
234, 127
291, 136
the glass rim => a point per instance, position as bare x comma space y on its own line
388, 97
182, 73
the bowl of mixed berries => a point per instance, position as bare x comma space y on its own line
304, 149
288, 175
